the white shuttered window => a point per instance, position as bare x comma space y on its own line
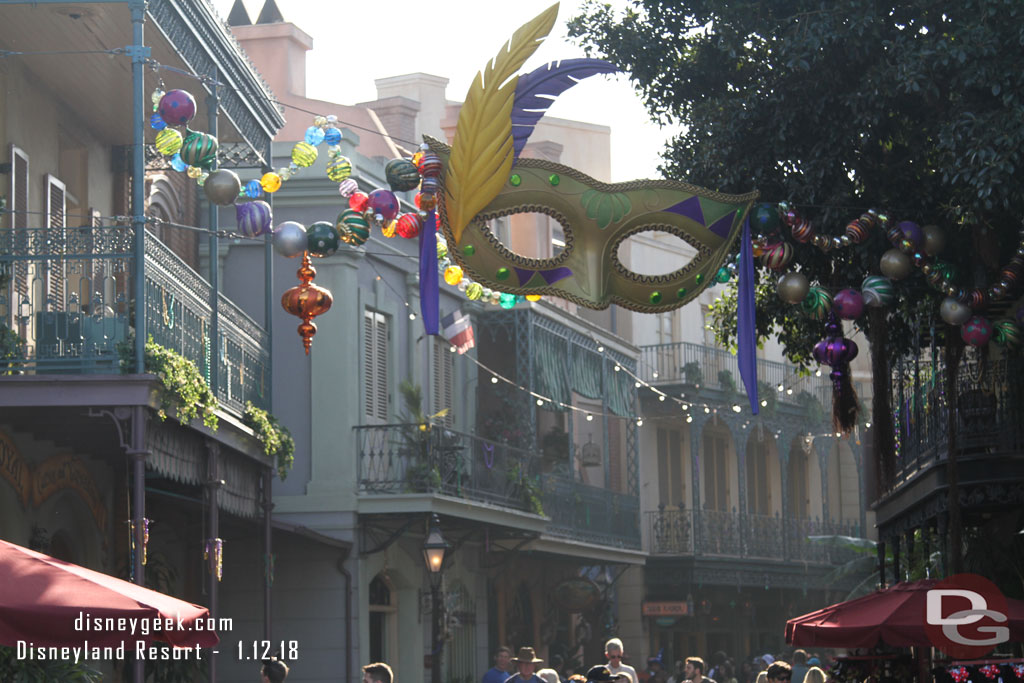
442, 381
375, 365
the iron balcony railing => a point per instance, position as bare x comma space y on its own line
679, 531
403, 458
66, 304
990, 412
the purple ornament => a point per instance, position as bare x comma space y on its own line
383, 203
835, 349
848, 304
254, 218
177, 107
976, 331
912, 231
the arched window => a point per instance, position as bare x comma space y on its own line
383, 620
797, 495
716, 470
758, 478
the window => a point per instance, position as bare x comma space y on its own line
383, 627
19, 217
442, 381
716, 489
375, 365
758, 490
671, 477
54, 279
797, 494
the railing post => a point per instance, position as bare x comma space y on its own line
139, 53
212, 105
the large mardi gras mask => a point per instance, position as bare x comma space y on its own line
485, 178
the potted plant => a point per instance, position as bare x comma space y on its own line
692, 373
726, 382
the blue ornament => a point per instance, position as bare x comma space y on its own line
507, 300
314, 135
177, 164
156, 122
332, 136
253, 188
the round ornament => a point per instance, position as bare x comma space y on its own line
389, 229
777, 256
426, 202
895, 264
332, 136
430, 165
222, 187
877, 291
270, 182
793, 287
474, 291
912, 232
765, 219
848, 304
253, 189
533, 297
303, 154
953, 312
347, 187
357, 201
802, 230
507, 301
156, 122
453, 275
817, 303
253, 218
315, 135
409, 225
290, 239
402, 175
193, 172
177, 107
339, 168
934, 239
1006, 333
322, 239
442, 248
353, 227
199, 149
976, 331
168, 141
723, 275
177, 164
383, 203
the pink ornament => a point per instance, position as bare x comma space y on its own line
409, 225
177, 107
848, 304
976, 331
777, 256
383, 203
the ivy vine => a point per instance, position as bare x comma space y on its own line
276, 439
185, 389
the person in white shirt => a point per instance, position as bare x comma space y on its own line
614, 651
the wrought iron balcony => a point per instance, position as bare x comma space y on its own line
403, 458
715, 533
66, 304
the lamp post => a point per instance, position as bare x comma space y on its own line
434, 549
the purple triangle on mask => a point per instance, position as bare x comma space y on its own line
690, 208
723, 225
555, 274
524, 275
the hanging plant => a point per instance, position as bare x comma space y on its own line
276, 439
530, 488
727, 382
692, 373
185, 390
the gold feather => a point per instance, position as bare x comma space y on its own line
482, 149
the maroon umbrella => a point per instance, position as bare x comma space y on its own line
48, 602
895, 616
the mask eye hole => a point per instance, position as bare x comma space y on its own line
667, 252
534, 238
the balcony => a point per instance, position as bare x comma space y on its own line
733, 535
402, 458
67, 293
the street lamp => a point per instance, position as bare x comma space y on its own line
434, 549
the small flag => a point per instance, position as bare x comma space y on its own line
457, 329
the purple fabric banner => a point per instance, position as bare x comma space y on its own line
746, 328
429, 293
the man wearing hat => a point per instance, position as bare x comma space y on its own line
602, 674
526, 663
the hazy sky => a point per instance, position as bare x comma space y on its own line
355, 43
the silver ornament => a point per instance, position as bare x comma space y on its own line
934, 239
222, 187
793, 287
895, 264
290, 239
954, 312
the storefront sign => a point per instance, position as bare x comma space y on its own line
663, 609
14, 469
575, 595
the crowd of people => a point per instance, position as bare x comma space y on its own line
525, 667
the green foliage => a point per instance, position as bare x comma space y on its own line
529, 487
727, 382
693, 374
276, 439
14, 670
185, 389
767, 393
813, 409
914, 108
12, 347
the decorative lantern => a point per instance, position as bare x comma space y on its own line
837, 352
307, 301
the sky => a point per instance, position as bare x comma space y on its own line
454, 39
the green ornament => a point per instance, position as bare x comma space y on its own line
554, 179
322, 239
655, 297
699, 278
723, 275
474, 291
502, 274
469, 250
402, 175
353, 227
515, 180
765, 219
442, 250
168, 141
681, 293
339, 168
199, 149
303, 154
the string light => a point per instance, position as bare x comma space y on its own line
494, 380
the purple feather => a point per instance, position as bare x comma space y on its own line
538, 89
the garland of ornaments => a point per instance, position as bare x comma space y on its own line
195, 153
912, 246
997, 672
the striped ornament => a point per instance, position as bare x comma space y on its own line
254, 218
817, 303
352, 227
199, 149
877, 291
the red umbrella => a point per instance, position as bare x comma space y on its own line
895, 616
48, 602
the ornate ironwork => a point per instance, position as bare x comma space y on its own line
237, 155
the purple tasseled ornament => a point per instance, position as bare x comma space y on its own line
836, 351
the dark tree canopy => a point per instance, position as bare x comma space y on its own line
912, 108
